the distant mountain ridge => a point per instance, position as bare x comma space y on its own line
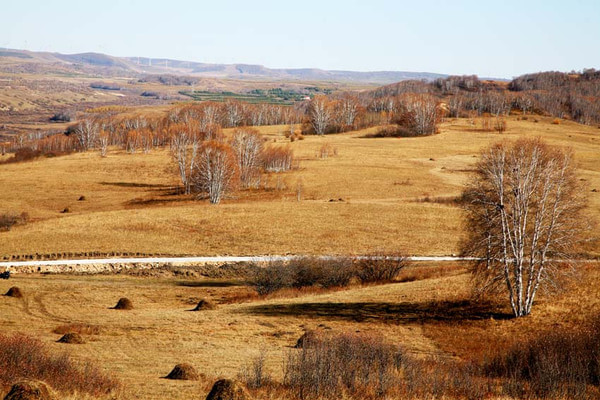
103, 63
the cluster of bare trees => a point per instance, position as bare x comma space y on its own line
233, 113
326, 114
210, 166
524, 219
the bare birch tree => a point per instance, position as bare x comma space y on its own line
320, 114
103, 139
86, 132
424, 111
524, 220
247, 146
184, 147
215, 172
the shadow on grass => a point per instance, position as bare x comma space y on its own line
209, 284
155, 201
447, 311
137, 185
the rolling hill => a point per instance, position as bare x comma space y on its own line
101, 64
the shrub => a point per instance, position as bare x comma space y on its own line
277, 159
254, 374
8, 220
392, 131
310, 271
61, 117
363, 366
559, 364
272, 278
326, 272
326, 151
22, 357
500, 125
379, 267
24, 154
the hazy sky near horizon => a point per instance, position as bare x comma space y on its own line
488, 38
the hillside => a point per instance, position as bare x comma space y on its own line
29, 61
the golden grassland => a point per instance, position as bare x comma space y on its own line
375, 194
427, 317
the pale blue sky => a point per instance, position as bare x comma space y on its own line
497, 39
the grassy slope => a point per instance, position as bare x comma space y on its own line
130, 206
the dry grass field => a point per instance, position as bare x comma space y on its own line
371, 195
430, 318
374, 194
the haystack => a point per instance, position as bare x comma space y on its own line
205, 305
71, 338
14, 292
227, 389
124, 304
183, 372
29, 390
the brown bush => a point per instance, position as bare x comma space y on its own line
363, 366
254, 374
184, 372
29, 390
71, 338
379, 267
556, 364
14, 292
22, 357
391, 131
205, 304
24, 154
277, 159
326, 273
124, 304
274, 277
8, 220
500, 125
306, 338
227, 389
326, 151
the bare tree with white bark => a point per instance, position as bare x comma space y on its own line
524, 220
424, 111
320, 114
247, 146
184, 147
86, 132
215, 173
